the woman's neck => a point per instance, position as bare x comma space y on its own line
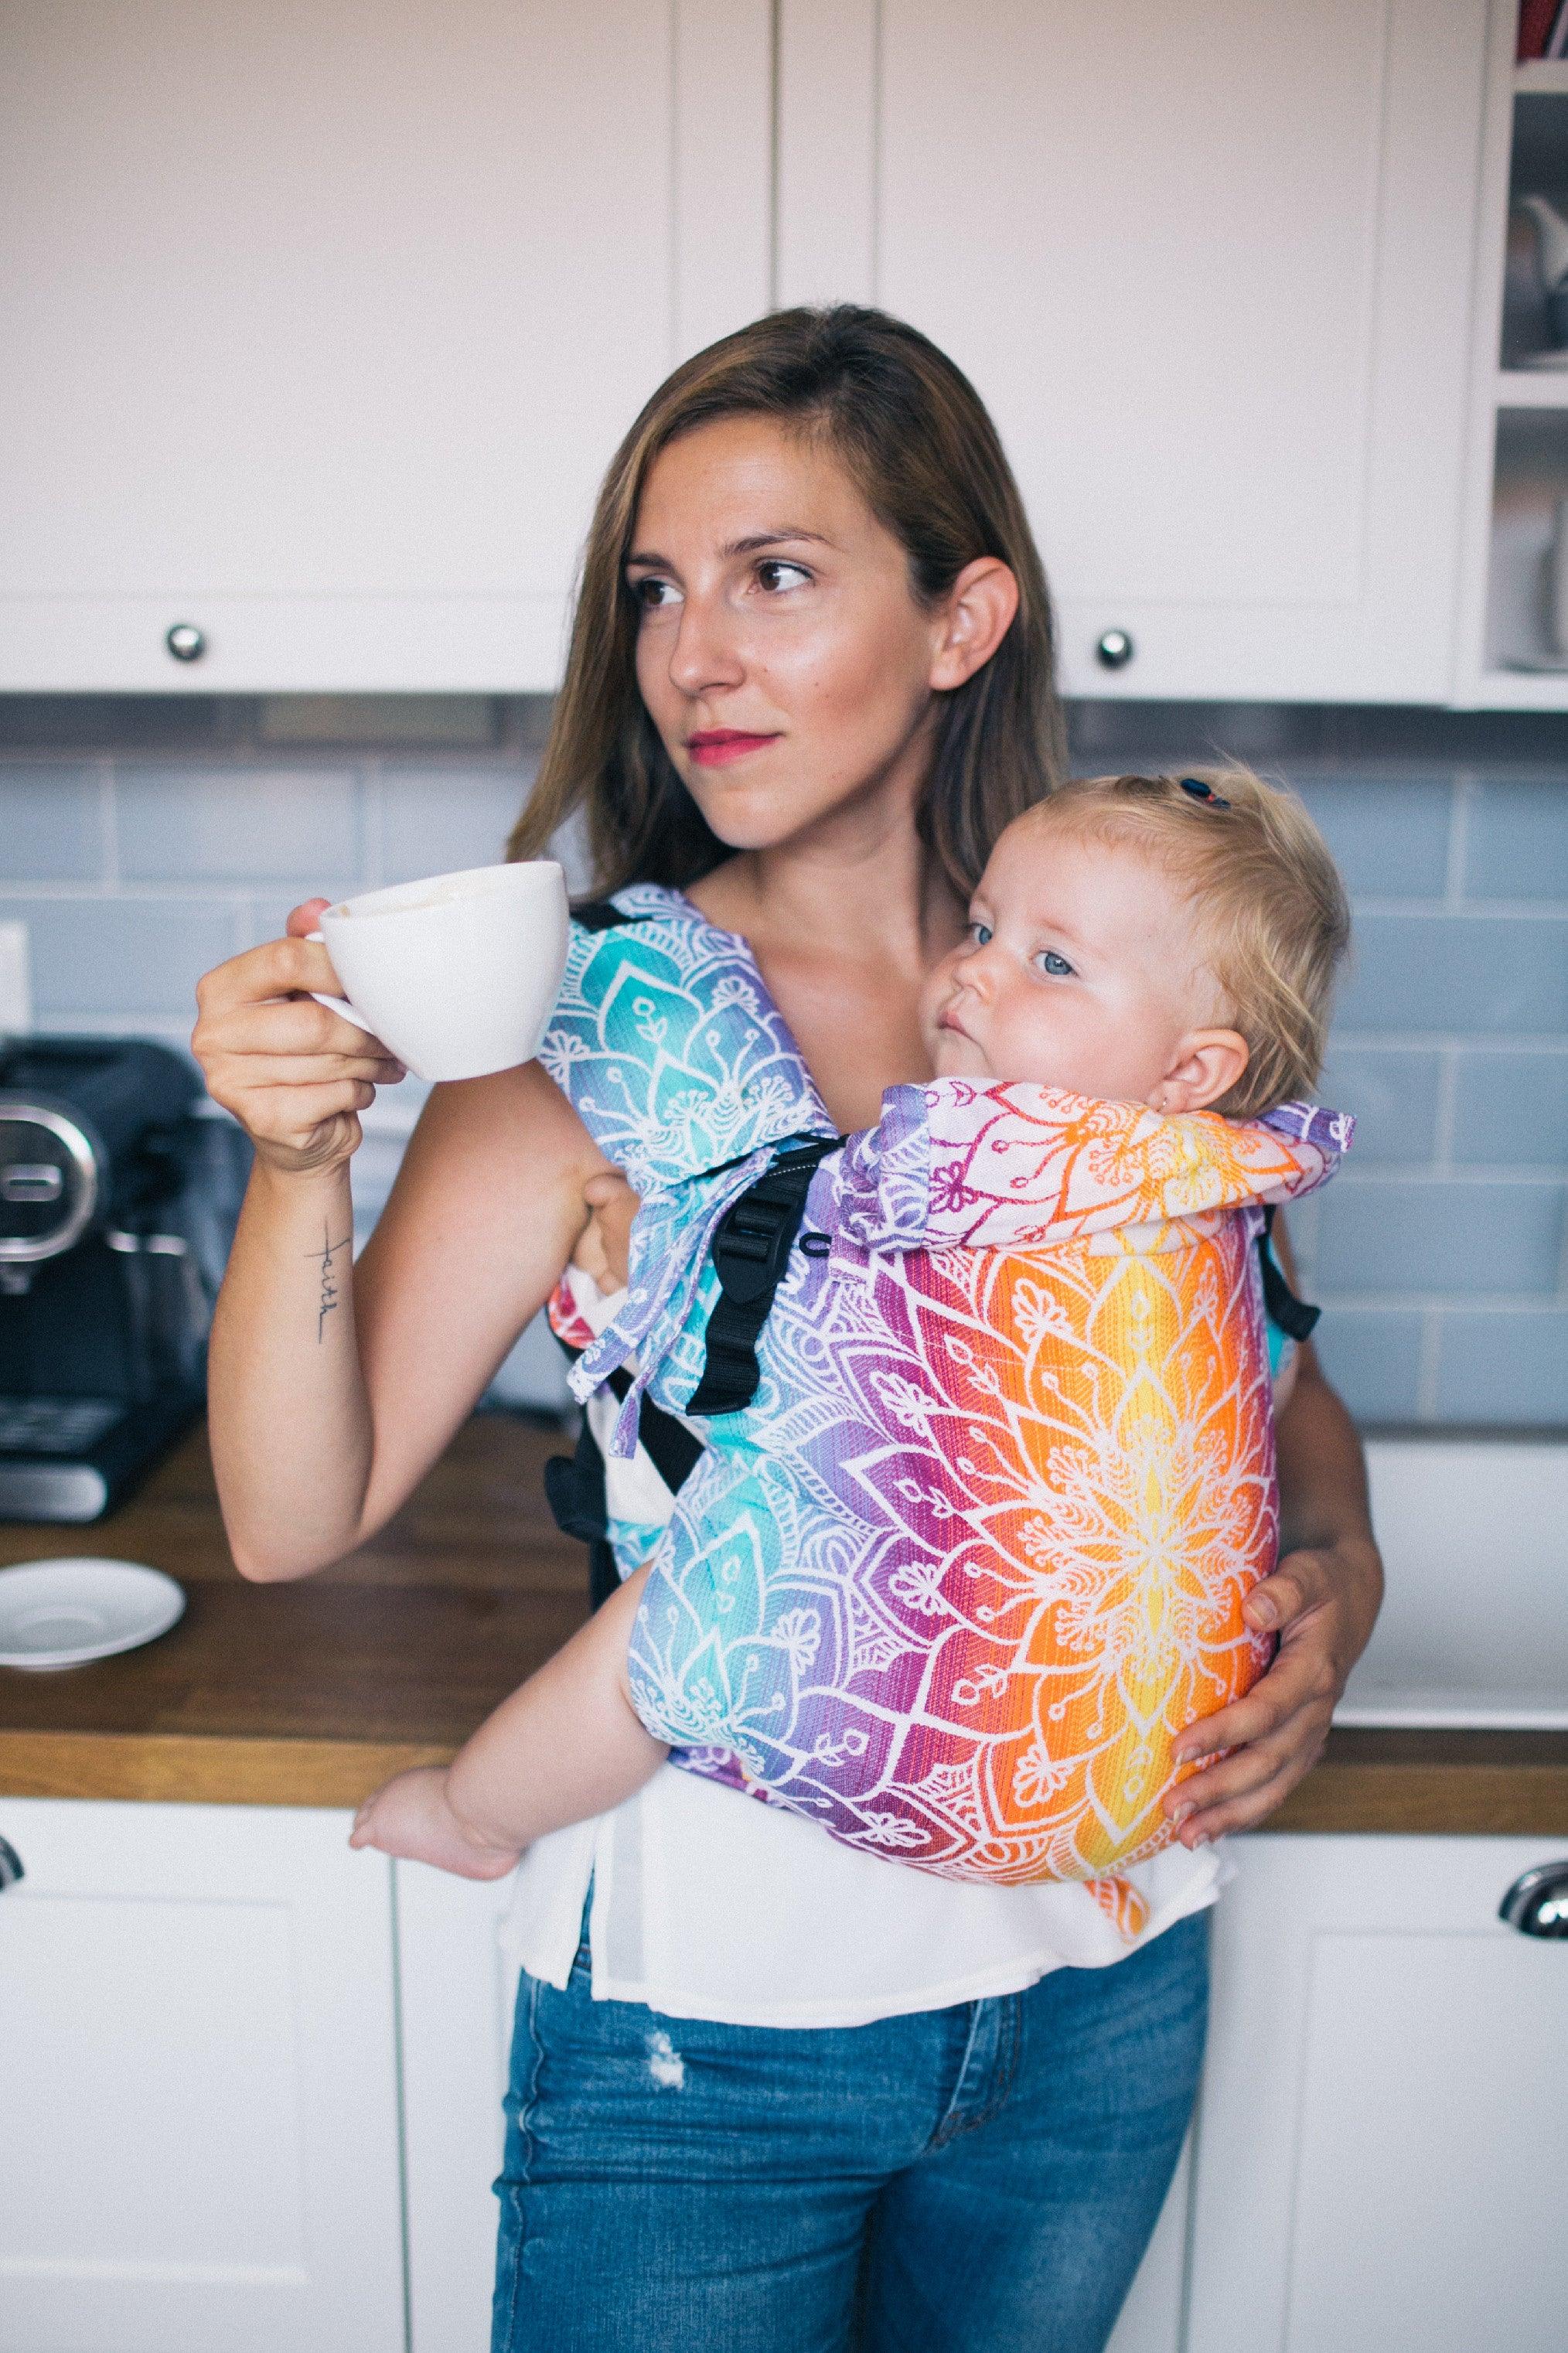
892, 907
844, 931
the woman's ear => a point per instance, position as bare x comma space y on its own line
977, 614
1205, 1065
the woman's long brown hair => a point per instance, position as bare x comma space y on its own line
916, 438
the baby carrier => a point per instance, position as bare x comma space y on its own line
966, 1548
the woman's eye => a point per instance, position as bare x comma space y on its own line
775, 575
651, 593
1057, 966
980, 933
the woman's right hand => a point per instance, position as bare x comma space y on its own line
295, 1075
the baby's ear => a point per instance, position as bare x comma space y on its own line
1207, 1065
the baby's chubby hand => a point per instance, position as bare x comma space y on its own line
412, 1817
605, 1244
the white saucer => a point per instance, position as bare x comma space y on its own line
58, 1613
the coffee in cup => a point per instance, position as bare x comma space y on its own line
457, 974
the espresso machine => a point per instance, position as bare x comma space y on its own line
117, 1209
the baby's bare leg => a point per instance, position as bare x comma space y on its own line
568, 1745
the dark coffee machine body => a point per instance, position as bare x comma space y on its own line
117, 1209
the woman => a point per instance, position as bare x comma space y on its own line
833, 2100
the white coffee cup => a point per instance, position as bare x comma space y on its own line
457, 974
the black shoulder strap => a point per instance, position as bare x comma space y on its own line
1295, 1318
750, 1252
601, 915
575, 1483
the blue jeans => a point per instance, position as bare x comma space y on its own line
977, 2180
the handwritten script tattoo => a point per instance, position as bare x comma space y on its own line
323, 1258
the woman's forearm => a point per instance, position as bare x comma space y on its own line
1322, 1469
1325, 1507
291, 1424
1323, 1502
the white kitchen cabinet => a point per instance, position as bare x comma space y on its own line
322, 318
199, 2101
1210, 265
1380, 2141
458, 1992
211, 2012
321, 322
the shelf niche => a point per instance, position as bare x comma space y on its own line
1530, 441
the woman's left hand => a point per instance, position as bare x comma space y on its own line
1322, 1602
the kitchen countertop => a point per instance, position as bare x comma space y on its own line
310, 1693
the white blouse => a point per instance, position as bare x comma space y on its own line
708, 1903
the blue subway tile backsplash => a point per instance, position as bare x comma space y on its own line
426, 829
1510, 1109
1390, 835
1373, 1355
1488, 975
1396, 1095
51, 823
1452, 1235
1501, 1368
238, 825
111, 962
144, 838
1517, 840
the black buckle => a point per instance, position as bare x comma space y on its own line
751, 1246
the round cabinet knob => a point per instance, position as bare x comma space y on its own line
185, 641
10, 1866
1537, 1903
1114, 649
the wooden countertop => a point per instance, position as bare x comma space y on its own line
310, 1693
307, 1694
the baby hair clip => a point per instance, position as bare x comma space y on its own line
1197, 790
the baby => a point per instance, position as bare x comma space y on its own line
1038, 1271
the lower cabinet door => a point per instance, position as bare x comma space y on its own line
457, 1992
198, 2085
1380, 2164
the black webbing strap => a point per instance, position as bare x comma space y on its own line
1293, 1315
575, 1483
750, 1252
574, 1491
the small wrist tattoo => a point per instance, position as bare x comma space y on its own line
323, 1258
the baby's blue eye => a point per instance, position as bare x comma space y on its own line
980, 933
1057, 966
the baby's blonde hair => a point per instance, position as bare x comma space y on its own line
1274, 919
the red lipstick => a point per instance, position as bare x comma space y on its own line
715, 747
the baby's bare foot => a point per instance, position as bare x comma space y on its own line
411, 1818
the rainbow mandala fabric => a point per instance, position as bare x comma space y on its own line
972, 1558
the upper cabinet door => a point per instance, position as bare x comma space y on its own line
322, 318
1209, 263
